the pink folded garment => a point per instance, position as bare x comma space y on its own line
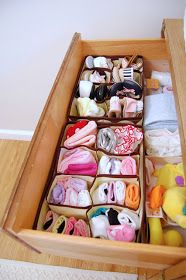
75, 156
116, 192
77, 184
84, 169
128, 166
128, 138
81, 229
85, 136
121, 233
70, 226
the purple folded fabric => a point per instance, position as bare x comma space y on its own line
57, 195
85, 169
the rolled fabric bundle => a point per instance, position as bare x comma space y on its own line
99, 211
50, 219
77, 184
60, 225
70, 226
57, 195
132, 198
130, 218
99, 225
131, 107
81, 228
115, 107
85, 169
111, 198
85, 136
106, 139
120, 190
99, 196
74, 128
84, 199
115, 168
88, 108
75, 156
71, 197
128, 166
128, 138
121, 233
112, 215
104, 165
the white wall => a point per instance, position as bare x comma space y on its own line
34, 36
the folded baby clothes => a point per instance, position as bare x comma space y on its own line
84, 199
88, 108
50, 219
162, 142
77, 184
58, 195
85, 136
77, 228
85, 169
71, 197
99, 211
130, 218
111, 192
106, 139
128, 138
71, 130
128, 166
121, 233
60, 225
99, 225
131, 107
76, 156
109, 165
132, 198
160, 112
115, 107
99, 196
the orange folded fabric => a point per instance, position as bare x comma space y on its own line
156, 197
132, 197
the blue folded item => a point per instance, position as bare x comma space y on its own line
160, 112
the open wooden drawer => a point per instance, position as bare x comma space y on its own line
33, 176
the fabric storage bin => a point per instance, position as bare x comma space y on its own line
33, 177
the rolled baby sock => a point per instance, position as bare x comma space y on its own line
99, 225
104, 165
84, 199
130, 218
88, 108
115, 166
112, 215
115, 107
74, 128
99, 196
111, 193
132, 198
77, 184
99, 211
60, 225
70, 226
57, 195
106, 139
50, 219
128, 166
81, 228
71, 197
121, 233
119, 190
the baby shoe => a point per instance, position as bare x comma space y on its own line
115, 107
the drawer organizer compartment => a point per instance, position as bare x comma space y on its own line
40, 167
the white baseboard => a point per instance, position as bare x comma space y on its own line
25, 135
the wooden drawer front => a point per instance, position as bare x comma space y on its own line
30, 186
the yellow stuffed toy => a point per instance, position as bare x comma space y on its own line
170, 175
174, 205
